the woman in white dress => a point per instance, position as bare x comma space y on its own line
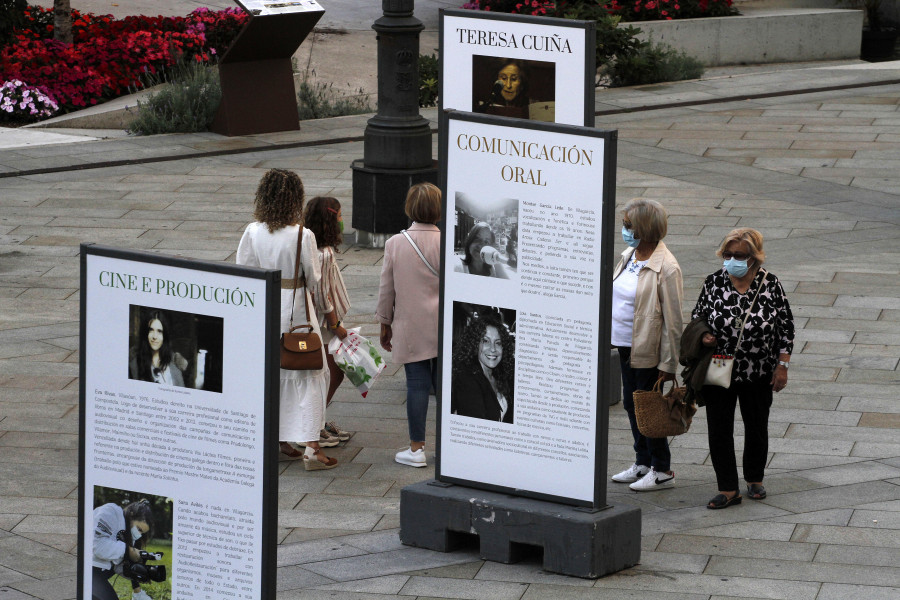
271, 243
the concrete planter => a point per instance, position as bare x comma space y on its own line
763, 36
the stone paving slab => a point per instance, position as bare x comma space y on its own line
338, 529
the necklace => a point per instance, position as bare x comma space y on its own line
635, 265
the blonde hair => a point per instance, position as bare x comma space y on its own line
649, 220
423, 203
753, 238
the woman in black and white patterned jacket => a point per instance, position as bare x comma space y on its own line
761, 360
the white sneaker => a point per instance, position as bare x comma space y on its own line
413, 459
653, 480
631, 474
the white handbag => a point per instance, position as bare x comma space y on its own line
719, 371
720, 366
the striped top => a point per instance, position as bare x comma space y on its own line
331, 293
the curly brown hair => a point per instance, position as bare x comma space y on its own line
320, 217
279, 199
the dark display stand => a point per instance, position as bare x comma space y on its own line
378, 195
257, 77
575, 541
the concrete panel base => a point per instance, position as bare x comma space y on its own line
379, 196
575, 541
763, 36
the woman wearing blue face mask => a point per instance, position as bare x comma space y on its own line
119, 534
646, 330
750, 319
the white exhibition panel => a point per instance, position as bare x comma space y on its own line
555, 290
202, 449
505, 37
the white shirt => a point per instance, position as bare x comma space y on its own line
108, 551
624, 289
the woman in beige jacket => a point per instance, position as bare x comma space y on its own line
646, 329
408, 300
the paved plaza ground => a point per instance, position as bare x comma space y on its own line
818, 172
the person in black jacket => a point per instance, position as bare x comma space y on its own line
484, 370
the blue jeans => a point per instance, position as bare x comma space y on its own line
649, 452
421, 378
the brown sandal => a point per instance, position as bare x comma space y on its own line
288, 452
312, 463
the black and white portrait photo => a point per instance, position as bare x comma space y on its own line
483, 375
175, 348
485, 236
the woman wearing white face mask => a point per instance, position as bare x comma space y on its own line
750, 318
118, 533
646, 329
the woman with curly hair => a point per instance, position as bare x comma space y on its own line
271, 243
484, 370
153, 360
323, 217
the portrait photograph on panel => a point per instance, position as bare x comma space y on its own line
486, 236
511, 87
484, 366
131, 545
175, 348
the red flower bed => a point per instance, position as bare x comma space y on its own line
628, 10
110, 55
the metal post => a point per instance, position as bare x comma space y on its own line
397, 143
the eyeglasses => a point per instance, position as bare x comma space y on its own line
627, 224
735, 255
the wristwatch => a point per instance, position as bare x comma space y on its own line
784, 364
336, 325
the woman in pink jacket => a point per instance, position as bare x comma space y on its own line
408, 300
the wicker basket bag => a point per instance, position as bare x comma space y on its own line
660, 415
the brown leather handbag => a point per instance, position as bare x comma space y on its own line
300, 351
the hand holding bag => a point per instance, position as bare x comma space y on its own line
719, 370
358, 358
300, 351
659, 415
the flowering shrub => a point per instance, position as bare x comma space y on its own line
21, 102
628, 10
660, 10
538, 8
110, 55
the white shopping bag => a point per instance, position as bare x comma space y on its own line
358, 358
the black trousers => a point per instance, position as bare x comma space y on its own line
755, 399
101, 588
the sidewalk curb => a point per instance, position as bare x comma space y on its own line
359, 138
